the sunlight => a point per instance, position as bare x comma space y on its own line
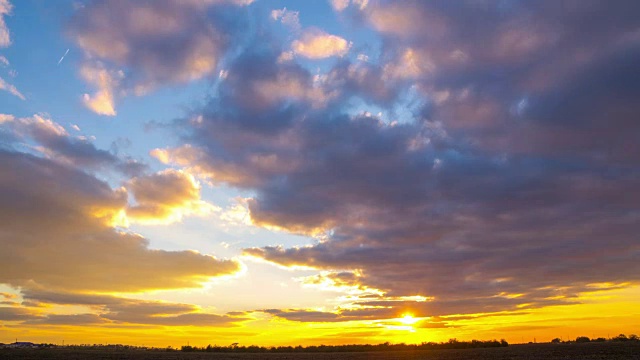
408, 319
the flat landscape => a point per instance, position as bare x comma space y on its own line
587, 351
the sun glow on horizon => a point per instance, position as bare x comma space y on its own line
408, 319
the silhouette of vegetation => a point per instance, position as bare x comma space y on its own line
254, 349
585, 339
451, 344
582, 339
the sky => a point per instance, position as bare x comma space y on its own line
318, 172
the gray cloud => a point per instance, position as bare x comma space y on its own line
58, 231
55, 142
73, 319
512, 187
118, 310
16, 314
303, 315
137, 46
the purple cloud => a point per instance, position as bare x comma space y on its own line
511, 185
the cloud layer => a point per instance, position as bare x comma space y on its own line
61, 230
508, 184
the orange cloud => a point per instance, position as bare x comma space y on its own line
166, 197
102, 102
58, 227
316, 44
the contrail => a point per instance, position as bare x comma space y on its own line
62, 58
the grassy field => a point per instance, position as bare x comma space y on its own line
587, 351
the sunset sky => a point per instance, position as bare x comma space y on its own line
318, 172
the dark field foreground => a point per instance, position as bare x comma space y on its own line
588, 351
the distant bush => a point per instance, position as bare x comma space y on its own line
187, 348
582, 339
621, 337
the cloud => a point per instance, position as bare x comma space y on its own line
6, 118
149, 44
16, 314
102, 102
5, 9
76, 247
117, 310
366, 81
341, 5
5, 41
464, 45
60, 222
316, 44
68, 320
11, 89
7, 295
166, 197
302, 315
406, 19
53, 141
508, 185
287, 17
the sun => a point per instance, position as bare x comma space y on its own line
408, 319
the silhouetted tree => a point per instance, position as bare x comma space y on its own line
582, 339
621, 337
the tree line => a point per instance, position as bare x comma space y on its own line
585, 339
451, 344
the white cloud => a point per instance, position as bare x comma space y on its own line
5, 9
340, 5
10, 88
287, 17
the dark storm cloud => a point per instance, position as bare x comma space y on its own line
513, 188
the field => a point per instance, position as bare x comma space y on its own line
587, 351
